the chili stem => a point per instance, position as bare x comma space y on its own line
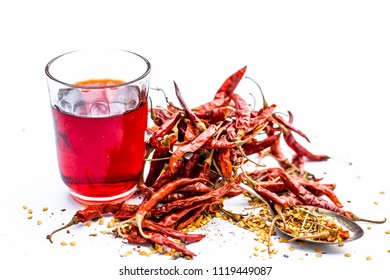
75, 220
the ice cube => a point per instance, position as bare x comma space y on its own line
129, 96
99, 109
68, 99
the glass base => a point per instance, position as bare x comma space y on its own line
95, 200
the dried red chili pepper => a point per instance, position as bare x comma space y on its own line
91, 212
160, 194
163, 130
215, 114
222, 97
163, 240
300, 150
193, 146
222, 143
184, 237
256, 146
168, 175
157, 165
242, 114
322, 189
288, 125
182, 203
271, 195
225, 165
190, 133
161, 116
190, 165
174, 216
261, 118
133, 236
310, 199
191, 115
192, 216
195, 188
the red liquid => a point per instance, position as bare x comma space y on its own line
101, 158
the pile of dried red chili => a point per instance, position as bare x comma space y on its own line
197, 159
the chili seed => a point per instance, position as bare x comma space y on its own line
347, 255
255, 254
241, 224
387, 231
44, 209
319, 255
88, 224
72, 243
24, 207
128, 253
30, 211
39, 223
101, 221
63, 243
368, 258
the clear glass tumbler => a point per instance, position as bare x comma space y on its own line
100, 111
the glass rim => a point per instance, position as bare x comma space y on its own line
145, 74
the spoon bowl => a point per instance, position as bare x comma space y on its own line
355, 231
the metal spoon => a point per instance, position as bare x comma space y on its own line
355, 231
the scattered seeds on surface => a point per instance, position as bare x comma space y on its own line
128, 253
144, 253
39, 222
72, 243
44, 209
347, 255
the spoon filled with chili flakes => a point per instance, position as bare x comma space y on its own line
317, 225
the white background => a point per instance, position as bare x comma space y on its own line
326, 61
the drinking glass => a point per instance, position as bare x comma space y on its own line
99, 104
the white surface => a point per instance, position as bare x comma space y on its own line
326, 61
